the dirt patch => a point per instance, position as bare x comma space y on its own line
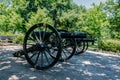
87, 66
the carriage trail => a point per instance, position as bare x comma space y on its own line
88, 66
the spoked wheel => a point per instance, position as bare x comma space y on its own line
86, 46
68, 47
81, 47
40, 42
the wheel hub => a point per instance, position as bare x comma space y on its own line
41, 46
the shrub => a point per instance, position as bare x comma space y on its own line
6, 33
110, 45
18, 39
1, 44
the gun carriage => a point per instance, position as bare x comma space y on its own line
44, 45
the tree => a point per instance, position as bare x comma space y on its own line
4, 19
10, 21
15, 22
112, 10
37, 17
94, 22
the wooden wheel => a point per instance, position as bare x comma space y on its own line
81, 46
68, 47
40, 42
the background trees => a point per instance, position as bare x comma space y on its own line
101, 21
112, 10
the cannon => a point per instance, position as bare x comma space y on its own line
44, 45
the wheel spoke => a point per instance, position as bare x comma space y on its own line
37, 58
42, 61
44, 33
36, 37
67, 50
32, 55
50, 53
64, 53
40, 39
31, 38
46, 58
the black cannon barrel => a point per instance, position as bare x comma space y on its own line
79, 40
73, 35
85, 40
62, 34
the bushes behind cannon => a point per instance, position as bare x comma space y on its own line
110, 45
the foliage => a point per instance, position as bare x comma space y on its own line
102, 21
110, 45
94, 22
112, 9
10, 20
39, 16
2, 33
18, 39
